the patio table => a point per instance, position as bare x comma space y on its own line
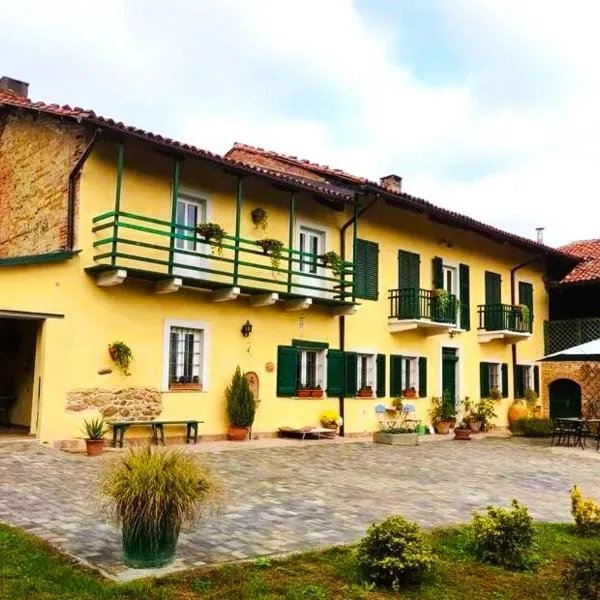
575, 427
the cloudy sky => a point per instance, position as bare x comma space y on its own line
488, 107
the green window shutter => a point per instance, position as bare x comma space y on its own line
287, 370
504, 380
536, 379
484, 379
409, 267
350, 373
437, 267
381, 375
465, 293
493, 288
519, 381
335, 372
366, 270
422, 377
395, 375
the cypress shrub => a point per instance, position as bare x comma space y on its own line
240, 401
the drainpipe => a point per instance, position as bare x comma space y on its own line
73, 176
342, 318
513, 295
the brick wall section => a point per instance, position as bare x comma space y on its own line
36, 155
585, 373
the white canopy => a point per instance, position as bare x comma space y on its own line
587, 351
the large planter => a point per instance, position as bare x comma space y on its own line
396, 439
517, 410
144, 551
94, 447
462, 434
237, 434
441, 427
475, 426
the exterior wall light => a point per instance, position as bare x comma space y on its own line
246, 329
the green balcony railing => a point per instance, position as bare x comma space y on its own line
156, 248
503, 317
416, 303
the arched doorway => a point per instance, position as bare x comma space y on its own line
565, 398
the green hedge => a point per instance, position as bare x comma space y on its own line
532, 427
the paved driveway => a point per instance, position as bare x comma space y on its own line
285, 499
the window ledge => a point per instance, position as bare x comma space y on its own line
184, 391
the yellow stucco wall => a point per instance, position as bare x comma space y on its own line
72, 349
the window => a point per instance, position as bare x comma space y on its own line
404, 374
310, 367
366, 371
526, 378
493, 376
410, 372
184, 355
495, 381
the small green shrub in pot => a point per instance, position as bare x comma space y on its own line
94, 430
504, 536
395, 553
152, 494
582, 577
241, 407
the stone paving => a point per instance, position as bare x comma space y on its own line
298, 497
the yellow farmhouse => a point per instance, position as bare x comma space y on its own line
333, 290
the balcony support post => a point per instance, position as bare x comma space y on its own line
174, 197
120, 160
239, 197
292, 227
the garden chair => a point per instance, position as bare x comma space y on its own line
385, 421
409, 412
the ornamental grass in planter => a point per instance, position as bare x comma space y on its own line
152, 494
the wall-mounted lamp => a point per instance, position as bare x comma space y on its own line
246, 329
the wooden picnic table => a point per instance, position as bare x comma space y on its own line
158, 430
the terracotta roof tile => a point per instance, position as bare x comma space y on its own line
589, 269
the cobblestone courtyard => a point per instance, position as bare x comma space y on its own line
292, 498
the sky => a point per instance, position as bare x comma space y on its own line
488, 107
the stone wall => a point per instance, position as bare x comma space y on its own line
37, 153
127, 404
585, 373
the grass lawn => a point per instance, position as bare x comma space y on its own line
30, 570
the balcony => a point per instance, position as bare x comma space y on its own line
414, 308
173, 256
503, 322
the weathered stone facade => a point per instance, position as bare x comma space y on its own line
127, 404
36, 155
585, 373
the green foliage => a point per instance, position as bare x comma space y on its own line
273, 248
201, 585
495, 394
398, 429
532, 427
308, 591
262, 562
441, 409
484, 412
525, 314
121, 355
586, 513
94, 429
333, 259
531, 397
240, 401
395, 553
214, 232
150, 492
504, 536
582, 577
260, 218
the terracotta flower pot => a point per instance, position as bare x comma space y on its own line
452, 422
237, 434
475, 426
441, 427
516, 411
316, 393
364, 394
94, 447
409, 394
303, 393
462, 434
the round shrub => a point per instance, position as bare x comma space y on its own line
582, 578
504, 536
586, 513
394, 553
532, 427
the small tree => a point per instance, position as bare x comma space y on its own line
240, 401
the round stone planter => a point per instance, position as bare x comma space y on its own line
475, 426
143, 551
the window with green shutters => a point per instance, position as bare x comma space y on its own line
484, 379
422, 377
493, 375
409, 267
520, 380
366, 270
381, 375
287, 370
465, 297
437, 270
395, 375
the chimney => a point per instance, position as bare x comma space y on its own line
540, 234
392, 183
14, 86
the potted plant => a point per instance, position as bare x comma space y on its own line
366, 391
333, 260
94, 430
260, 218
495, 394
409, 393
462, 431
484, 411
212, 232
152, 494
442, 414
121, 355
303, 392
316, 392
272, 248
471, 416
330, 419
531, 398
397, 404
240, 406
525, 315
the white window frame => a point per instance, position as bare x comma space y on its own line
204, 345
320, 366
414, 372
498, 366
529, 382
454, 267
371, 371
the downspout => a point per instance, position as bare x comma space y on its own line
513, 295
73, 176
342, 318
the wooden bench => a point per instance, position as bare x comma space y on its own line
158, 430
